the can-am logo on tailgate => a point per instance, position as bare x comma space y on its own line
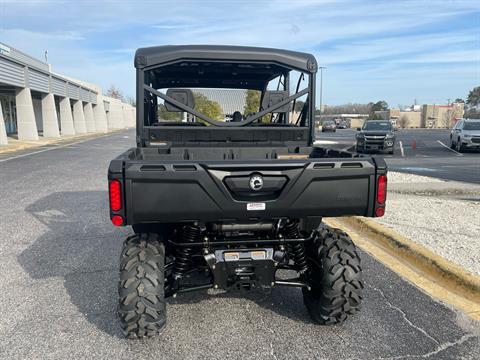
256, 182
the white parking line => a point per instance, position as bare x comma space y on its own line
49, 149
401, 148
449, 148
324, 142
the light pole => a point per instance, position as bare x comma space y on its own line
321, 90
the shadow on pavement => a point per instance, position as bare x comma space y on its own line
286, 302
83, 247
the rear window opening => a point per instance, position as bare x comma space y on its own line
226, 94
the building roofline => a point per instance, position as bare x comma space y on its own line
36, 64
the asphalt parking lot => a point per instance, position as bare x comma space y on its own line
59, 272
425, 152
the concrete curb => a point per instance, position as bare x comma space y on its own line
446, 192
452, 276
436, 189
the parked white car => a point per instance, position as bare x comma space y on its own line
465, 135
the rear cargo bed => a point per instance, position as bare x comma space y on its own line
164, 188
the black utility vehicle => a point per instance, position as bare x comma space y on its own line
231, 205
376, 136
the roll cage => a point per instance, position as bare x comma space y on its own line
223, 67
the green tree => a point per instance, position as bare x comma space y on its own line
346, 109
472, 106
379, 106
473, 98
458, 100
252, 103
163, 114
472, 114
207, 107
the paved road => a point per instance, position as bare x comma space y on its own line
58, 273
425, 152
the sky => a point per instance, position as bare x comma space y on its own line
398, 51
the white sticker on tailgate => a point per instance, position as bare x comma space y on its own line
255, 206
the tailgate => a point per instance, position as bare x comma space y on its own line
169, 191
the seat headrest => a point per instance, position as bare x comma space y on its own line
237, 116
184, 96
271, 98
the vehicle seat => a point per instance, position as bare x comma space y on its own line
237, 116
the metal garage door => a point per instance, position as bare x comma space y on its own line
93, 97
59, 87
84, 95
38, 81
73, 91
11, 73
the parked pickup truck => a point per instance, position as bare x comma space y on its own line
376, 136
222, 204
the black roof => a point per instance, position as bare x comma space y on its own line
151, 56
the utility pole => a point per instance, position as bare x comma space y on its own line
321, 90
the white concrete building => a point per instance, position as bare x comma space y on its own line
35, 102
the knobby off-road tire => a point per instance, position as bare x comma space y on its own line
141, 308
336, 278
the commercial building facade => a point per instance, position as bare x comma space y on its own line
417, 116
425, 116
35, 102
442, 116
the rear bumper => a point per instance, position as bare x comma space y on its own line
168, 192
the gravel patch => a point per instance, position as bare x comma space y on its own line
423, 185
448, 226
398, 177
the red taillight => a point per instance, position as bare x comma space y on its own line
382, 189
115, 190
380, 212
117, 220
